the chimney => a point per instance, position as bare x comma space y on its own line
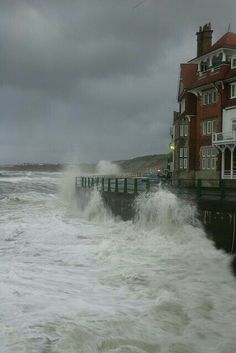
204, 39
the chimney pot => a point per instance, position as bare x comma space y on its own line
204, 39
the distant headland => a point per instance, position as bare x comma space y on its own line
149, 163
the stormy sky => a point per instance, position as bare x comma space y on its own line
84, 80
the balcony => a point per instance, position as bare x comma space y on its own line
228, 174
224, 138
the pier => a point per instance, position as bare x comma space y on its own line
215, 201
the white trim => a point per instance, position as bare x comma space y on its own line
213, 52
232, 107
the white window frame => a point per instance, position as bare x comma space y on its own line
209, 97
183, 130
182, 105
208, 158
186, 130
233, 124
208, 126
233, 90
183, 158
233, 62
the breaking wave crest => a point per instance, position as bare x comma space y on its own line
163, 208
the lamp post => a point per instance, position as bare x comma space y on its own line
172, 166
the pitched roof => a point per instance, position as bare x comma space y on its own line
188, 74
228, 40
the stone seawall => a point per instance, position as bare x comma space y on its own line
219, 220
217, 216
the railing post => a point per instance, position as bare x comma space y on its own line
222, 189
109, 185
135, 185
82, 182
125, 184
76, 182
199, 188
92, 182
97, 181
116, 186
85, 182
148, 185
103, 183
89, 182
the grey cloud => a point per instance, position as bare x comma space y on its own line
95, 79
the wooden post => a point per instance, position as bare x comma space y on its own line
116, 186
103, 182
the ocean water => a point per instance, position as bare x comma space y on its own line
80, 281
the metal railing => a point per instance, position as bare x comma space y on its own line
189, 188
223, 137
118, 184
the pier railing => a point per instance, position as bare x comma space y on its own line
200, 189
117, 184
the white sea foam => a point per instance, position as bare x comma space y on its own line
106, 167
79, 282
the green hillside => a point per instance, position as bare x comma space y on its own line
144, 164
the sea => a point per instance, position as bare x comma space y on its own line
76, 279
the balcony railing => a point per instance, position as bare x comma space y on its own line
227, 174
224, 137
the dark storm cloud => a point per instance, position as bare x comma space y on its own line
95, 79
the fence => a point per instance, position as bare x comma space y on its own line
202, 189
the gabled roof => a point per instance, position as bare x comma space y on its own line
188, 74
187, 77
228, 40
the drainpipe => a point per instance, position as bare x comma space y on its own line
231, 163
222, 163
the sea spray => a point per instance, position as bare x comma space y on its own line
75, 286
163, 208
107, 168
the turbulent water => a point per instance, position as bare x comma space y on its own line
77, 281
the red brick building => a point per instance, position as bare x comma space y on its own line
204, 128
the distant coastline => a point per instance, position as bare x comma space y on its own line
137, 164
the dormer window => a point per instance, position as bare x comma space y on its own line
217, 60
233, 62
204, 65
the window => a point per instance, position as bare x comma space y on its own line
204, 65
217, 60
233, 90
234, 124
183, 129
208, 127
233, 62
183, 158
209, 97
208, 158
182, 105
